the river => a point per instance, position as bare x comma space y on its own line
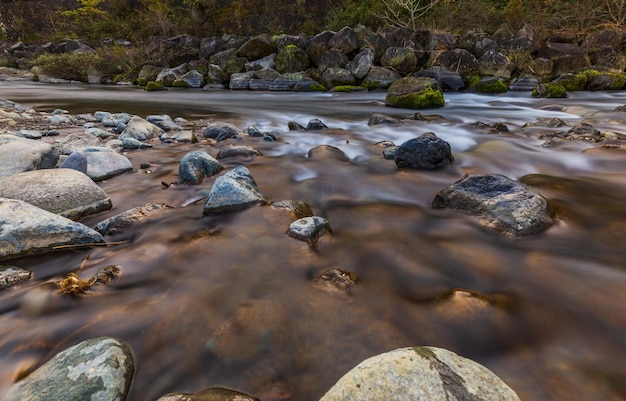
545, 313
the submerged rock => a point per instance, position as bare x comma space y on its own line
425, 152
96, 369
116, 223
420, 373
233, 191
500, 203
195, 166
309, 229
13, 275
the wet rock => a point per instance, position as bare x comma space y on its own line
29, 134
195, 166
190, 79
295, 126
62, 191
336, 76
113, 120
499, 203
20, 154
267, 62
420, 373
103, 163
424, 152
238, 151
95, 369
332, 58
495, 64
29, 230
148, 73
298, 209
185, 136
309, 229
233, 191
241, 81
12, 275
292, 59
583, 131
566, 57
164, 122
168, 76
210, 394
449, 80
459, 60
120, 221
76, 161
99, 133
140, 129
327, 152
400, 59
336, 282
523, 84
382, 119
257, 47
220, 131
415, 93
390, 152
315, 125
132, 144
78, 141
345, 40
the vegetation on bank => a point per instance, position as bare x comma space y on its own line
138, 20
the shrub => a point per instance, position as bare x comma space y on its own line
72, 66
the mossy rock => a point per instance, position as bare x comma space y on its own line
551, 90
154, 86
415, 93
180, 83
349, 88
573, 82
491, 86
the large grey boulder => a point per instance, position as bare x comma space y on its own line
20, 154
98, 369
420, 374
401, 59
380, 78
345, 40
500, 203
257, 47
233, 191
292, 59
362, 62
140, 129
29, 230
78, 141
426, 152
103, 163
196, 165
566, 57
62, 191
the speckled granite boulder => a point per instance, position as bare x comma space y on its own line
21, 154
98, 369
420, 374
233, 191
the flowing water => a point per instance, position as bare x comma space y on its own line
546, 313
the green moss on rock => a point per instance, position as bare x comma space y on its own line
491, 86
551, 90
179, 83
424, 99
152, 86
348, 88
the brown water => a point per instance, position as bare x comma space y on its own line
545, 313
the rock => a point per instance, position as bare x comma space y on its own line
415, 93
327, 152
190, 79
549, 90
114, 224
11, 276
499, 203
233, 191
523, 84
382, 119
566, 57
148, 73
300, 41
78, 141
298, 209
459, 60
29, 230
221, 130
491, 85
62, 191
362, 63
224, 58
495, 64
308, 85
344, 40
336, 282
210, 46
603, 81
103, 163
262, 63
424, 152
584, 131
401, 59
95, 369
241, 81
99, 133
286, 81
168, 76
238, 151
292, 59
337, 77
20, 154
29, 134
186, 136
380, 78
113, 120
132, 144
332, 58
315, 124
210, 394
420, 374
195, 166
309, 229
257, 47
518, 46
77, 160
140, 129
152, 86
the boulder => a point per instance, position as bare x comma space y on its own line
257, 47
500, 204
210, 46
419, 374
300, 41
148, 73
234, 190
262, 63
140, 129
286, 81
20, 154
190, 79
29, 230
380, 78
241, 80
168, 76
332, 58
566, 57
103, 163
495, 64
195, 166
76, 161
426, 152
459, 60
603, 48
114, 224
362, 62
77, 142
247, 152
95, 369
224, 58
292, 59
345, 41
62, 191
519, 45
491, 85
449, 80
401, 59
415, 93
221, 130
382, 119
309, 229
113, 120
337, 76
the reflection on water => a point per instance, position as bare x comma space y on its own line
227, 300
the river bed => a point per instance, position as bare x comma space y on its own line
546, 313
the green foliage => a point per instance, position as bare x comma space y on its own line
72, 66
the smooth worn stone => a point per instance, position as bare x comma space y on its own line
114, 224
60, 119
233, 191
449, 80
420, 374
415, 93
238, 151
77, 160
327, 152
99, 132
309, 229
12, 275
196, 165
499, 203
140, 129
298, 209
29, 230
210, 394
220, 131
132, 143
103, 163
98, 369
164, 122
62, 191
113, 120
382, 119
78, 141
29, 134
315, 125
424, 152
185, 136
21, 154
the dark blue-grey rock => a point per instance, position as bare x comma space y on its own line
221, 130
76, 161
29, 134
420, 374
132, 144
113, 120
402, 59
286, 81
140, 129
449, 80
164, 122
117, 223
332, 58
315, 124
21, 154
262, 63
66, 192
60, 119
309, 229
241, 80
345, 40
168, 76
196, 165
95, 369
327, 152
185, 136
210, 394
500, 204
260, 84
103, 163
335, 76
29, 230
308, 84
13, 275
238, 151
390, 152
193, 79
426, 152
234, 190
